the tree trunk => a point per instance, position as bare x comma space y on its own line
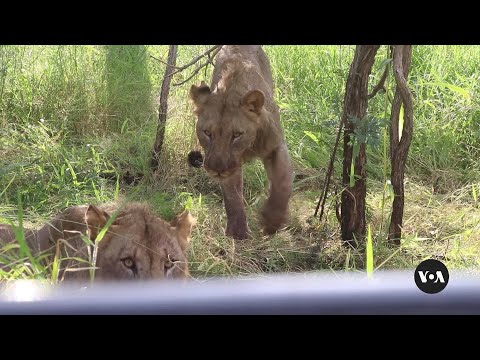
402, 57
355, 106
162, 114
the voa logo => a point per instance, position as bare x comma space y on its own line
431, 276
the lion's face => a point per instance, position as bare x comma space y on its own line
140, 245
226, 129
137, 244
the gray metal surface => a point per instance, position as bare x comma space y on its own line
313, 293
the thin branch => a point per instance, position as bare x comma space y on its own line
195, 60
191, 76
380, 85
197, 70
323, 198
210, 53
337, 204
210, 56
164, 62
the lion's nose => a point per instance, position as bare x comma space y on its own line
220, 173
218, 165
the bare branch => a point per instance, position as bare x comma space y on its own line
191, 76
197, 70
164, 62
380, 85
195, 60
210, 56
337, 204
323, 198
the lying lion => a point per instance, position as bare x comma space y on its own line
137, 244
238, 120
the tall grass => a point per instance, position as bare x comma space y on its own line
77, 121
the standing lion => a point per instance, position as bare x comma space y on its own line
238, 120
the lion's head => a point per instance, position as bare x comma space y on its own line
227, 127
137, 244
140, 245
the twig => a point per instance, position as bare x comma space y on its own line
380, 85
210, 53
337, 204
191, 76
209, 61
210, 56
164, 62
323, 198
194, 60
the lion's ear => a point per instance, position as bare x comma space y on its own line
183, 224
253, 101
95, 219
200, 94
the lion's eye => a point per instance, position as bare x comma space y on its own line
128, 262
208, 133
237, 134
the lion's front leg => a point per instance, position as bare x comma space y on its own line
232, 189
280, 174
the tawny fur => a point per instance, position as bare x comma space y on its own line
238, 120
156, 247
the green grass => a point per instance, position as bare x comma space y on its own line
75, 121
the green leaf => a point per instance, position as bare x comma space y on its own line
356, 149
8, 185
189, 203
354, 120
369, 252
56, 263
312, 136
454, 88
117, 187
20, 236
72, 172
99, 238
352, 174
95, 191
385, 63
123, 125
400, 123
